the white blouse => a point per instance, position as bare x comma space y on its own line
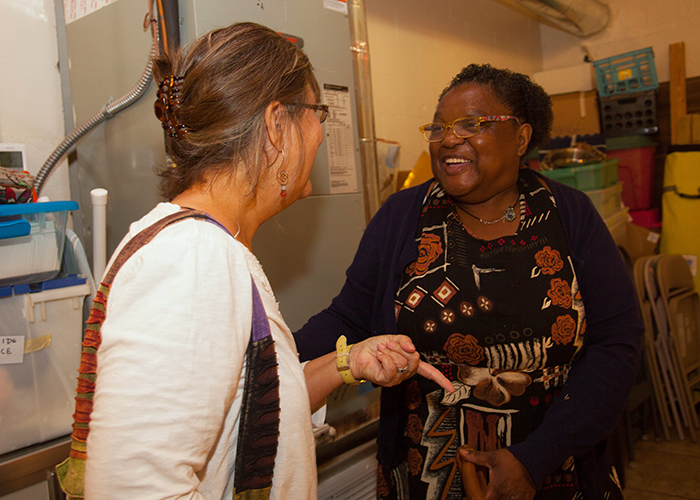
171, 372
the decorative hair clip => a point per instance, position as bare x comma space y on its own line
166, 105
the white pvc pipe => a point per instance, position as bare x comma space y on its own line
99, 233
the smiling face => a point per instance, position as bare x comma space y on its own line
485, 166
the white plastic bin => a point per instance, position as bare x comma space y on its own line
32, 236
617, 224
608, 201
37, 393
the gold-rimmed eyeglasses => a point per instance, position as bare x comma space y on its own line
462, 127
321, 110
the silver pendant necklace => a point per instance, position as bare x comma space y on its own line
508, 215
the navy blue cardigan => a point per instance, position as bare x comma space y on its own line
589, 405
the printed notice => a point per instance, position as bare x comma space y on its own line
339, 139
75, 9
338, 5
11, 350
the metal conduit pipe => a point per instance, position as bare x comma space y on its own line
108, 111
171, 21
365, 105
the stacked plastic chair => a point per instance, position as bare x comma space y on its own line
670, 307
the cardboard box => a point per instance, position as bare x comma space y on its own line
641, 242
689, 129
575, 113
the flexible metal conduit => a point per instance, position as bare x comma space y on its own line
108, 111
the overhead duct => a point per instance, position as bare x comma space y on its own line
579, 17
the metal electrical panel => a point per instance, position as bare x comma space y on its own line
305, 249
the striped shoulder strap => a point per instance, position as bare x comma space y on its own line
260, 352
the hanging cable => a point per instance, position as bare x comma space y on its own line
151, 22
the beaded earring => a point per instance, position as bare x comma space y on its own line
282, 177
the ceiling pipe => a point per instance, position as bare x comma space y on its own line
582, 18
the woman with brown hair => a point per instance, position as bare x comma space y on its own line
190, 383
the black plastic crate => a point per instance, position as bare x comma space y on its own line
633, 114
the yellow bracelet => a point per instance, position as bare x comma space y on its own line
342, 361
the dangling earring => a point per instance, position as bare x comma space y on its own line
282, 177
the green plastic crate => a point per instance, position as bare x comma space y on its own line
586, 177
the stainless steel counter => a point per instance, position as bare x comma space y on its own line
32, 465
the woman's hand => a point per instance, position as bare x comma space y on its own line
388, 360
384, 360
508, 478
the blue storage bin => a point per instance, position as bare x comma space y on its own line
32, 236
626, 73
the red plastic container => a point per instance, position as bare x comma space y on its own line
650, 218
635, 170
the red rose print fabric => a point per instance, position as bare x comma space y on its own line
429, 249
464, 349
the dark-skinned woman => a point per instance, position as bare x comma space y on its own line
512, 286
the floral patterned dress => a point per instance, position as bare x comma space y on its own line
503, 320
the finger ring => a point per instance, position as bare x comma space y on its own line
401, 371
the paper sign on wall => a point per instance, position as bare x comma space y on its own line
11, 350
339, 5
75, 9
339, 139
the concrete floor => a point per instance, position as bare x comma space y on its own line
663, 470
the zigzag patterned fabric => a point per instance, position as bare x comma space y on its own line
259, 428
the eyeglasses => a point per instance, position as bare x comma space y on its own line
462, 127
321, 110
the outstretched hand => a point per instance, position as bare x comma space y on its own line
388, 360
508, 477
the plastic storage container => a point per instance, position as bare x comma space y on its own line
617, 225
586, 177
37, 389
629, 115
607, 201
31, 240
649, 218
626, 73
637, 155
